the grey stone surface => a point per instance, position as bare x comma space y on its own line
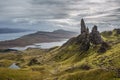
95, 37
86, 38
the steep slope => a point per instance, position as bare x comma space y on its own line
72, 61
76, 64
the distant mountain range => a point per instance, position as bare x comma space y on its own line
9, 30
38, 37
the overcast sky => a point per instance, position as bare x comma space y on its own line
56, 14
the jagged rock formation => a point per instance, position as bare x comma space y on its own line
86, 39
95, 37
85, 43
83, 26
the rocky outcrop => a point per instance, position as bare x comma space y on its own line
95, 37
85, 39
83, 26
85, 42
33, 61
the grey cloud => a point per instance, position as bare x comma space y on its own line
59, 12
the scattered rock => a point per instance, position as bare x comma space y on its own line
103, 48
85, 67
33, 62
117, 31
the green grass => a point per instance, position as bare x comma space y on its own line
9, 74
64, 63
95, 74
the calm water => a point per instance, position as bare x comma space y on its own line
14, 66
12, 36
42, 45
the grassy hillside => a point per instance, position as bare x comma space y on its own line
65, 63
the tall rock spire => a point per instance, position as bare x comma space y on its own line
94, 29
84, 37
95, 36
87, 38
83, 26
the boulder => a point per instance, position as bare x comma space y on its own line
33, 62
104, 47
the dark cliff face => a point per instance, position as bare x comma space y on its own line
95, 37
83, 26
85, 39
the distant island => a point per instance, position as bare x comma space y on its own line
12, 30
38, 37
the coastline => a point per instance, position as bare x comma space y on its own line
45, 45
37, 37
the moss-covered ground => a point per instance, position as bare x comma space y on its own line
64, 63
